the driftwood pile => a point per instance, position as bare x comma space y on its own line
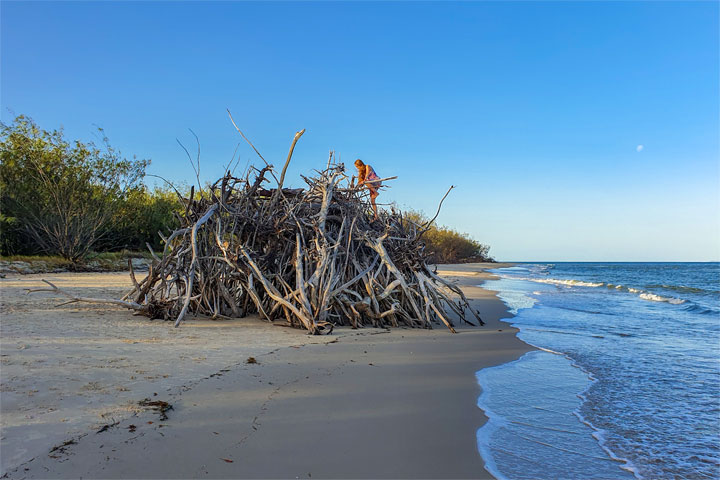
313, 257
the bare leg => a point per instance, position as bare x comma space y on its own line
373, 195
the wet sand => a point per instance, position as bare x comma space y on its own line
367, 403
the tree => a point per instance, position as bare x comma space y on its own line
60, 196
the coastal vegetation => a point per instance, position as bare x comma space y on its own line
447, 245
69, 198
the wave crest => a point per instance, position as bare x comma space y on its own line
568, 283
657, 298
644, 294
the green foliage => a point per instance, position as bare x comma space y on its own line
445, 245
138, 218
56, 196
10, 232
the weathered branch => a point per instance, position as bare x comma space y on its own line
73, 298
193, 263
426, 226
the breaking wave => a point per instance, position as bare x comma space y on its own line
644, 294
658, 298
569, 283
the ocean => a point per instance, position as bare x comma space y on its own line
627, 381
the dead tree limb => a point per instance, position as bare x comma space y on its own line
73, 298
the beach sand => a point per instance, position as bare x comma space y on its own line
367, 403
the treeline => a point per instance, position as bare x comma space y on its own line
446, 245
66, 198
70, 198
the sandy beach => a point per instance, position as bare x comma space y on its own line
366, 403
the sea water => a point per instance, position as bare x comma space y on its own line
627, 381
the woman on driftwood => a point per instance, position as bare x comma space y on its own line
368, 177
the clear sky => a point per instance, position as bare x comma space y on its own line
572, 130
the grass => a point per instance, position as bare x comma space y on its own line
48, 259
95, 261
121, 255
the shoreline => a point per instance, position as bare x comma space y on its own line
398, 403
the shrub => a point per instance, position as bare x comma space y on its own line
446, 245
138, 218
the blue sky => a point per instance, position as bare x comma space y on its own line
533, 110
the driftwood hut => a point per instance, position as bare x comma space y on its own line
311, 257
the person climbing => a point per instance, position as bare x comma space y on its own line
368, 177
